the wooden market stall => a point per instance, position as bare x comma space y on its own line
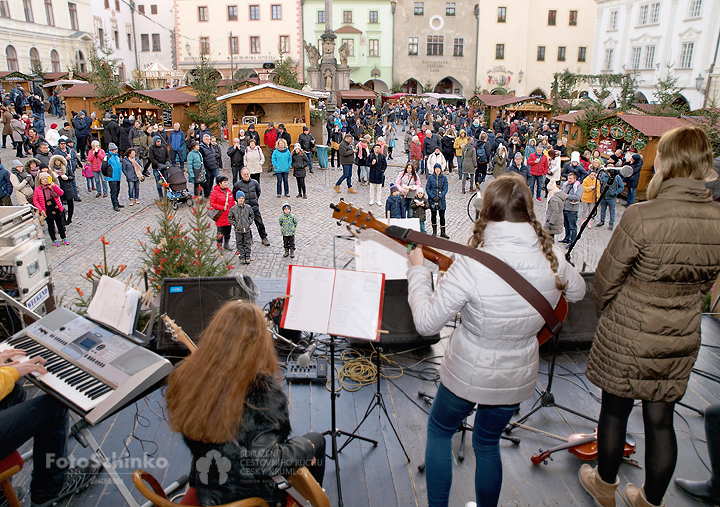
8, 80
356, 98
81, 97
166, 105
503, 105
265, 103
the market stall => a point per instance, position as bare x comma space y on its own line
154, 106
8, 80
506, 105
81, 97
354, 99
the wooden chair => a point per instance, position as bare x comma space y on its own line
8, 467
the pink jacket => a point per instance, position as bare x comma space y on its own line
398, 181
95, 160
39, 198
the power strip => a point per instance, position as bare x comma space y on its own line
315, 372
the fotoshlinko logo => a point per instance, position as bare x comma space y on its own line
223, 465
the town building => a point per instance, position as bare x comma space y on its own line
435, 46
112, 30
652, 38
154, 33
238, 38
54, 35
366, 29
525, 42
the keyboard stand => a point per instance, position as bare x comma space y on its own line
81, 431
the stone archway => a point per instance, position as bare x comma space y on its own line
377, 85
682, 103
449, 85
640, 98
411, 86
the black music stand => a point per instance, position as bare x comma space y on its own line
333, 431
377, 401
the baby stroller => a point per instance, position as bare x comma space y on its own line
177, 192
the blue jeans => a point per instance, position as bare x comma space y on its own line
608, 203
536, 180
404, 122
631, 196
309, 156
282, 179
459, 165
179, 155
100, 178
346, 175
158, 183
407, 208
133, 189
570, 225
446, 415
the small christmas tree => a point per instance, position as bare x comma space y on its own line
81, 303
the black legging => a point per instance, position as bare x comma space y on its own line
433, 217
660, 442
18, 148
69, 206
301, 185
334, 154
223, 233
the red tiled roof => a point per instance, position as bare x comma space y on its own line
168, 95
573, 117
652, 126
347, 29
80, 90
499, 100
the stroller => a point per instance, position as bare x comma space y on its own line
177, 192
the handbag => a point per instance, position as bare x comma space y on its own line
435, 203
216, 213
335, 146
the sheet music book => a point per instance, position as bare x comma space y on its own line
113, 306
379, 254
334, 301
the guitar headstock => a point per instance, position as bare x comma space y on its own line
352, 216
177, 333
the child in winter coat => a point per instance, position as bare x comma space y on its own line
288, 225
46, 199
591, 193
300, 164
394, 206
241, 216
419, 204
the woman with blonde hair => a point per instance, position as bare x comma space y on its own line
662, 257
492, 358
226, 398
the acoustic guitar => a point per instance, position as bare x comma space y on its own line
361, 220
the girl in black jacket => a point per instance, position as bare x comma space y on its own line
300, 164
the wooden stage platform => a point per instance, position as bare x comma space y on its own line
380, 477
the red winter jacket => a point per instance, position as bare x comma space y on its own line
95, 160
270, 138
415, 151
217, 201
39, 198
538, 165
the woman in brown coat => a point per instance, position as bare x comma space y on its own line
663, 256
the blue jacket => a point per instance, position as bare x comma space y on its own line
6, 186
128, 170
177, 140
82, 126
394, 205
116, 164
636, 164
616, 187
437, 186
377, 170
281, 161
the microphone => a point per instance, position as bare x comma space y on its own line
304, 359
626, 171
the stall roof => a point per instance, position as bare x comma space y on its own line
573, 116
499, 100
167, 95
54, 76
80, 90
441, 96
357, 94
11, 74
310, 95
63, 82
652, 126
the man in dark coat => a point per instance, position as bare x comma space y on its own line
236, 152
284, 134
124, 135
307, 143
82, 123
212, 169
631, 182
111, 132
252, 195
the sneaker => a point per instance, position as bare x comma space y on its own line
105, 195
66, 242
121, 205
266, 242
98, 194
131, 202
371, 203
305, 196
601, 223
539, 200
610, 227
279, 196
56, 243
74, 480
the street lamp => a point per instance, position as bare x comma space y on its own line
699, 83
187, 47
520, 76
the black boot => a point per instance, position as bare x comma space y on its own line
703, 491
442, 232
708, 491
434, 230
292, 253
227, 244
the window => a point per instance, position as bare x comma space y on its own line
347, 16
350, 45
373, 16
276, 11
435, 45
121, 72
80, 62
649, 14
101, 35
141, 9
116, 35
156, 42
34, 59
419, 9
204, 45
561, 53
153, 9
203, 14
552, 18
541, 54
284, 44
49, 15
572, 21
608, 63
582, 52
635, 58
55, 61
499, 51
4, 9
129, 37
373, 47
254, 12
321, 17
413, 46
107, 4
502, 14
612, 22
695, 7
117, 5
655, 13
234, 44
144, 42
27, 5
12, 59
649, 57
450, 8
458, 47
232, 13
254, 45
686, 54
72, 8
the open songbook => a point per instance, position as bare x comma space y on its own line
115, 306
334, 301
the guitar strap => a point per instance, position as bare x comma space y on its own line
499, 267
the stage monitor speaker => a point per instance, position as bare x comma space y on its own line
192, 302
581, 323
397, 319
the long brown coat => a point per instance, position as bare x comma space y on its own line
664, 254
6, 119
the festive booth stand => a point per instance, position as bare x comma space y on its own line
84, 97
165, 106
505, 105
355, 99
8, 81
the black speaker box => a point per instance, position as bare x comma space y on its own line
581, 323
192, 302
397, 319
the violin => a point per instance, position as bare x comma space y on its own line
582, 445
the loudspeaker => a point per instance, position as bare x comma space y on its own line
581, 323
397, 319
192, 302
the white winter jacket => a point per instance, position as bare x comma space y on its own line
492, 357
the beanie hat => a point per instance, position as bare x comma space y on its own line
393, 188
157, 138
286, 205
239, 194
16, 163
112, 146
53, 125
437, 165
297, 146
575, 156
66, 124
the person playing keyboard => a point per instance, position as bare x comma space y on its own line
44, 419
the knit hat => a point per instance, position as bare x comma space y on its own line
158, 138
66, 124
437, 165
297, 146
62, 139
113, 146
393, 188
53, 125
419, 190
286, 205
17, 163
305, 129
575, 156
239, 194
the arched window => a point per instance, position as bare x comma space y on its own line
80, 61
34, 59
12, 59
55, 61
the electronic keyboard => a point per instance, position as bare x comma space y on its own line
92, 370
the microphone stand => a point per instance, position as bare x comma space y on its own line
592, 214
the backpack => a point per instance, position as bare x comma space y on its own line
481, 154
106, 169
